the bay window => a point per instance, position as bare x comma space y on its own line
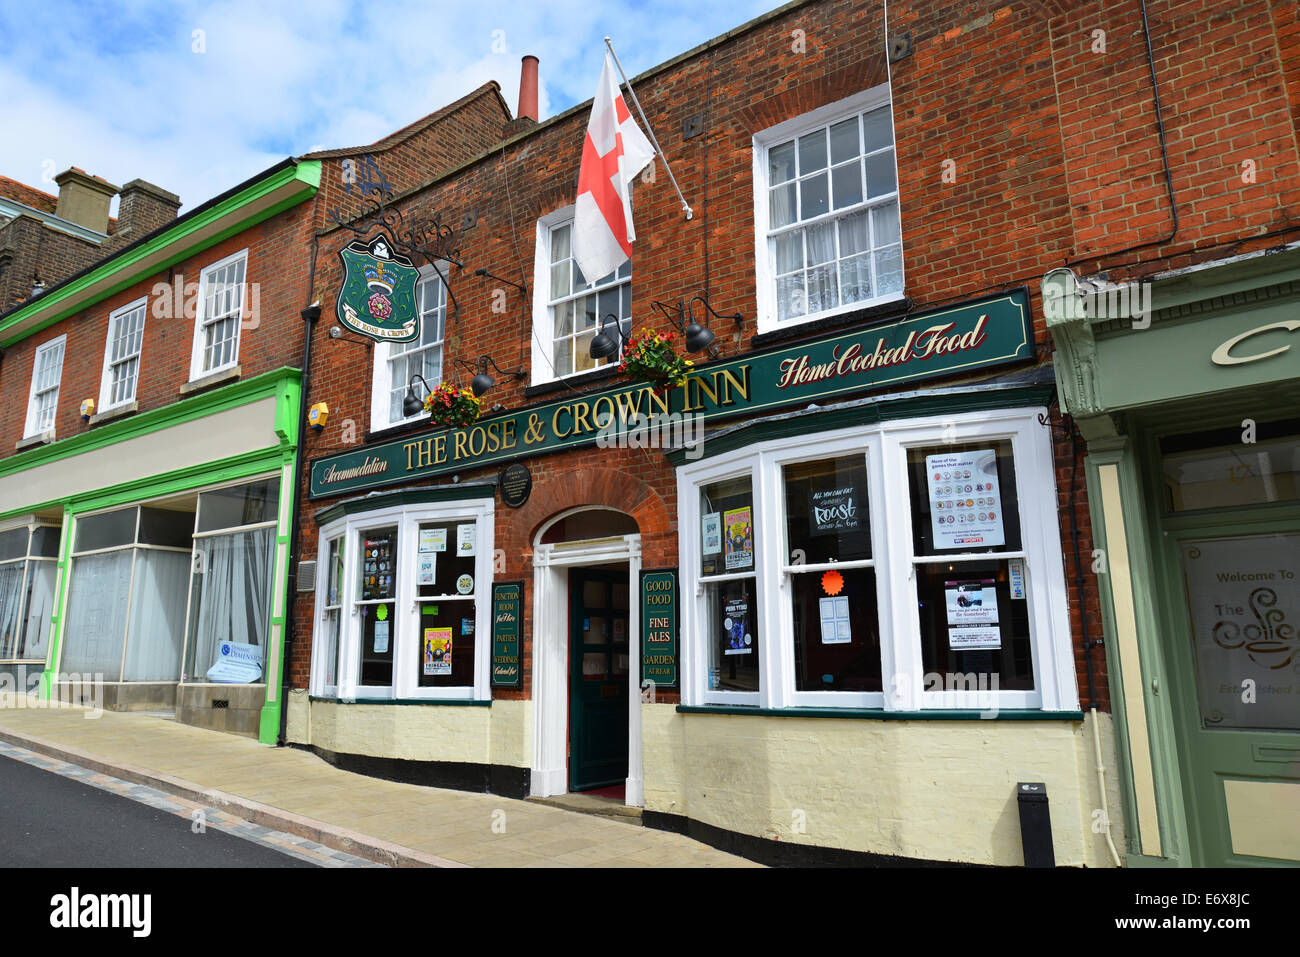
909, 565
403, 603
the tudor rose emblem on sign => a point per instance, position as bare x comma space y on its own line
377, 296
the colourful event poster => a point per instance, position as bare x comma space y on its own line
739, 537
437, 651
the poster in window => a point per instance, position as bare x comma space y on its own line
833, 511
466, 539
972, 615
836, 629
433, 540
736, 636
437, 651
377, 568
739, 538
427, 568
381, 637
965, 499
711, 529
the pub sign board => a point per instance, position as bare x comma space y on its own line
507, 617
377, 296
959, 339
659, 621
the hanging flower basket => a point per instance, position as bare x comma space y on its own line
651, 357
452, 407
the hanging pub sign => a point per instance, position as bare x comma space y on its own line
954, 340
659, 627
507, 610
377, 295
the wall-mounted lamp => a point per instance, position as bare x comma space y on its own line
318, 415
603, 344
697, 337
312, 314
523, 289
412, 404
482, 381
87, 409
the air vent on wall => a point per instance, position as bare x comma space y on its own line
307, 576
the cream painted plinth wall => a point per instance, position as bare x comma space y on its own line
501, 734
932, 790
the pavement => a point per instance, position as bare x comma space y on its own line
292, 791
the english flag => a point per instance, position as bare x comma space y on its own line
614, 152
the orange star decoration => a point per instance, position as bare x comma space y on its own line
832, 582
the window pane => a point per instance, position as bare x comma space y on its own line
727, 527
560, 278
378, 580
239, 505
106, 529
836, 630
159, 589
560, 250
231, 595
165, 526
446, 646
844, 140
34, 640
826, 511
732, 623
821, 243
964, 497
788, 249
884, 221
781, 205
96, 617
564, 319
781, 163
847, 185
855, 278
1232, 474
877, 130
12, 575
822, 291
889, 270
880, 174
13, 543
444, 566
45, 541
330, 654
974, 634
812, 152
814, 199
378, 571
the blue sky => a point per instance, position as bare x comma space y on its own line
199, 96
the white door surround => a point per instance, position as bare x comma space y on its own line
550, 691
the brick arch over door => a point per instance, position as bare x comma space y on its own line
589, 487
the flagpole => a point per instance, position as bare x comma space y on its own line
650, 131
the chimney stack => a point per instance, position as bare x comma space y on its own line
144, 208
528, 89
84, 199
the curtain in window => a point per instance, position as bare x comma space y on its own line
233, 594
158, 594
97, 601
11, 593
40, 606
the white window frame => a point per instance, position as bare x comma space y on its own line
885, 446
405, 637
543, 338
29, 427
105, 381
764, 272
196, 359
383, 355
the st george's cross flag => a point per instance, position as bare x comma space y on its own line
614, 152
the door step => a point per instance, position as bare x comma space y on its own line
591, 804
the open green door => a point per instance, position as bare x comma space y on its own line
598, 685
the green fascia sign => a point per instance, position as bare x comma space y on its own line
980, 334
507, 615
659, 627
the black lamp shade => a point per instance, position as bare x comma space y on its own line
481, 383
698, 337
603, 345
411, 405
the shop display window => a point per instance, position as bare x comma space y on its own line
404, 618
903, 566
27, 573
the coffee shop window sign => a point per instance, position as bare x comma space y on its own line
377, 295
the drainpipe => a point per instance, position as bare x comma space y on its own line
310, 315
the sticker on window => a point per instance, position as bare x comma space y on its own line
437, 651
735, 627
465, 584
740, 539
711, 530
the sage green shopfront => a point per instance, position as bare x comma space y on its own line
1187, 391
172, 530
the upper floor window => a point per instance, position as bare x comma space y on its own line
122, 355
47, 373
826, 205
219, 315
569, 309
397, 362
